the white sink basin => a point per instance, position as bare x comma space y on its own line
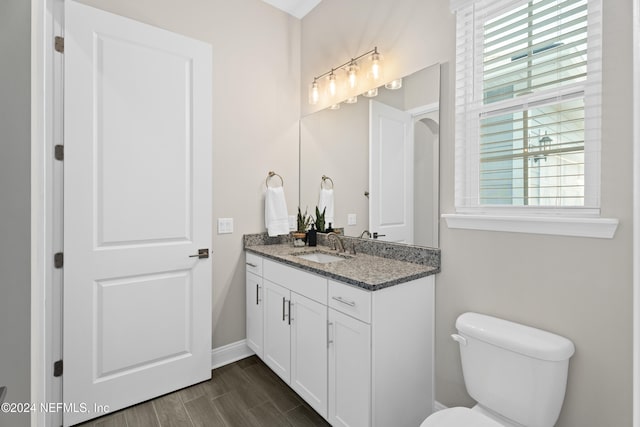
320, 257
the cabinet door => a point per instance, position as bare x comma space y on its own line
277, 339
255, 314
349, 371
309, 351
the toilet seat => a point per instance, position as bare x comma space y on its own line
459, 417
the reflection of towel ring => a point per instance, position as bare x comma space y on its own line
271, 175
324, 179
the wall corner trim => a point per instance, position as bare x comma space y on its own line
230, 353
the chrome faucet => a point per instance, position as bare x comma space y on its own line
338, 243
367, 233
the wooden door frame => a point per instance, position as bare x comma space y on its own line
47, 21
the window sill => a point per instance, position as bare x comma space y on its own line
601, 228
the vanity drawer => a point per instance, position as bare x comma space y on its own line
350, 300
306, 284
254, 263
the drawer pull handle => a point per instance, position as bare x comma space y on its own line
251, 264
344, 301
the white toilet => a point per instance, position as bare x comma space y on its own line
517, 374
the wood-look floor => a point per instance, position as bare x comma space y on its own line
244, 393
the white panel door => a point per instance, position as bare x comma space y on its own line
277, 335
349, 371
137, 206
390, 173
309, 351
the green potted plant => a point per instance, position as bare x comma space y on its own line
320, 219
300, 234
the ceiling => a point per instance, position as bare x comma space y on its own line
297, 8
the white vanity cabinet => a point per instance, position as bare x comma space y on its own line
254, 306
277, 335
360, 358
295, 330
349, 371
309, 351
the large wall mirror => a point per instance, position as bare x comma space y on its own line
382, 157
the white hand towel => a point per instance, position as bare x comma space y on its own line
326, 201
276, 216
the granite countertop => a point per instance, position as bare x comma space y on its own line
365, 271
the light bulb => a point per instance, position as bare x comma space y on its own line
394, 84
352, 74
335, 107
351, 100
332, 84
371, 92
314, 94
376, 70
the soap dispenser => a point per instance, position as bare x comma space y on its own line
312, 236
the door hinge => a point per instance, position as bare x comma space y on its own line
58, 44
57, 368
59, 152
58, 260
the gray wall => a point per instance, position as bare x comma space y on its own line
577, 287
15, 51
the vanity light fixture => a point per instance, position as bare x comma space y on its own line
351, 100
350, 70
335, 107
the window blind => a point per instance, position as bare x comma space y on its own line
528, 103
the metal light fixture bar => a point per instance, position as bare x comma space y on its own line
352, 60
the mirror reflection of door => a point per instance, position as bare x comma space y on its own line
391, 162
404, 174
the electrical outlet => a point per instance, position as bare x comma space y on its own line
351, 219
293, 222
225, 225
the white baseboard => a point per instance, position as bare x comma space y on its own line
437, 406
230, 353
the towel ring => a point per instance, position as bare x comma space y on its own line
324, 179
271, 175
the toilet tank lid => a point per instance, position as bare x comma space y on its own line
515, 337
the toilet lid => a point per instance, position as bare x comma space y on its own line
458, 417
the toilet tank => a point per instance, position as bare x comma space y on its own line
514, 370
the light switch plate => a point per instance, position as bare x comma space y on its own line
351, 219
293, 222
225, 225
